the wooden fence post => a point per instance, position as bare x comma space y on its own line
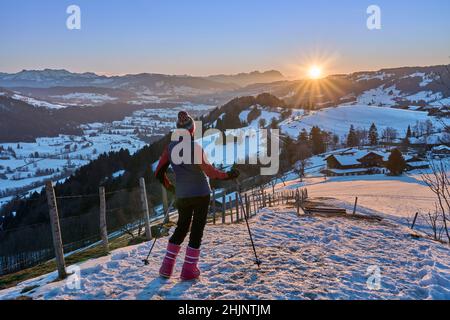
214, 205
263, 198
297, 201
56, 230
247, 207
414, 221
145, 209
223, 207
356, 203
237, 206
230, 203
103, 225
254, 205
258, 199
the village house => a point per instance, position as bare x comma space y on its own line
441, 151
365, 161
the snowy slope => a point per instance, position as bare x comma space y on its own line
38, 103
338, 120
303, 258
396, 198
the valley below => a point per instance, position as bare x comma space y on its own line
24, 166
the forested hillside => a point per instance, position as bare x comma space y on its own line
22, 122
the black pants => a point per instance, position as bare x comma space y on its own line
193, 210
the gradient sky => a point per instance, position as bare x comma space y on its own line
201, 37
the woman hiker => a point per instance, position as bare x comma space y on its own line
193, 195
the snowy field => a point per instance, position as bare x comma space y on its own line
303, 257
338, 119
394, 196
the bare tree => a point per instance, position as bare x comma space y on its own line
282, 177
438, 181
433, 220
304, 153
444, 81
300, 167
389, 134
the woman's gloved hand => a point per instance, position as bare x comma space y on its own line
171, 189
233, 174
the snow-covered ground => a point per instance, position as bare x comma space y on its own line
398, 198
306, 257
80, 98
338, 119
38, 103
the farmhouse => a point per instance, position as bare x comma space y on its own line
354, 162
441, 151
365, 161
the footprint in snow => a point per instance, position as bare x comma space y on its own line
113, 265
119, 256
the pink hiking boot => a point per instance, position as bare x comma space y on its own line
190, 270
168, 263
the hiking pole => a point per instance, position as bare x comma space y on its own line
145, 261
257, 261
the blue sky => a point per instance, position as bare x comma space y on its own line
202, 37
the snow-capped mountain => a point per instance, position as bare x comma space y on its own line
423, 88
145, 83
47, 78
417, 88
245, 79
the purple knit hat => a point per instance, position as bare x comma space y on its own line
185, 121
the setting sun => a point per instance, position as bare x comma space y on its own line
315, 72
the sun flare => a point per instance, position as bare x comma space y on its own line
315, 72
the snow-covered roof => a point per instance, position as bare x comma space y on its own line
350, 157
348, 171
441, 148
418, 163
346, 160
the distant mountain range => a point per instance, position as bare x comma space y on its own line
398, 87
414, 88
145, 82
419, 88
245, 79
68, 88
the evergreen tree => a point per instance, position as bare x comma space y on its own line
373, 135
317, 141
303, 137
408, 132
274, 124
396, 163
352, 138
289, 152
262, 123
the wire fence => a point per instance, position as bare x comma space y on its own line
26, 246
80, 225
